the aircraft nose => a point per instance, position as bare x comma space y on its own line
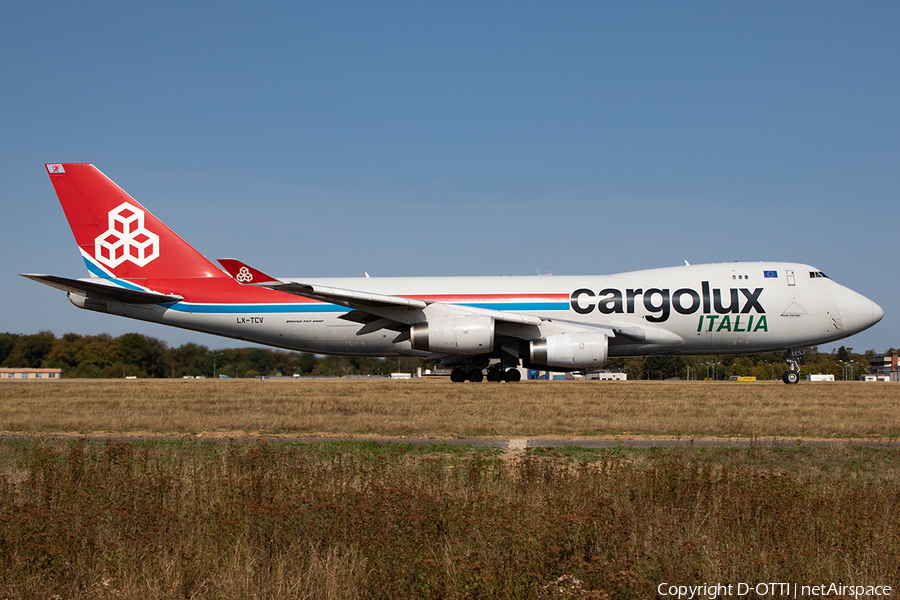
857, 311
877, 313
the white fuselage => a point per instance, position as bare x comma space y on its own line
693, 309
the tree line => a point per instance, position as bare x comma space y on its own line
843, 363
138, 355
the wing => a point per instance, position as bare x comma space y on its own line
456, 333
104, 289
404, 310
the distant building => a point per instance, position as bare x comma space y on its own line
874, 378
19, 374
820, 377
533, 374
606, 375
884, 367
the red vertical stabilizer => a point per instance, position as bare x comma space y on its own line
117, 236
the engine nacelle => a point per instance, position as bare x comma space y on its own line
88, 302
571, 351
454, 335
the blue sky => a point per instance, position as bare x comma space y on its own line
481, 138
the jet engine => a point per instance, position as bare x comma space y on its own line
570, 351
89, 302
454, 335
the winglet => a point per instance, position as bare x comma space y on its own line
244, 273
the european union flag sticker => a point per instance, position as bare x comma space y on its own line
770, 274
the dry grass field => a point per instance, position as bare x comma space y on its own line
194, 518
442, 409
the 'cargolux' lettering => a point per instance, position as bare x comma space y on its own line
659, 302
717, 302
752, 300
663, 307
630, 295
610, 301
576, 306
678, 305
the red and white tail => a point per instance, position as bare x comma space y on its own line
118, 237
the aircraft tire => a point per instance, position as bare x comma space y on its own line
494, 375
512, 375
791, 377
458, 376
476, 376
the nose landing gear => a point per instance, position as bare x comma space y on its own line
793, 375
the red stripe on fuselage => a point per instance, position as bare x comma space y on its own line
225, 290
468, 298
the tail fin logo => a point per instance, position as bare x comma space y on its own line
244, 275
126, 239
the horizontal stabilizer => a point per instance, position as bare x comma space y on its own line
102, 288
246, 274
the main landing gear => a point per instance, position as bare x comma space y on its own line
494, 374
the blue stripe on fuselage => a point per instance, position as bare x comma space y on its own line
519, 306
254, 308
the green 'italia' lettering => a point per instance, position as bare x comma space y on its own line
725, 324
761, 324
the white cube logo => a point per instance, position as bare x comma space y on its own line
126, 239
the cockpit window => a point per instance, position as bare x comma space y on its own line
818, 274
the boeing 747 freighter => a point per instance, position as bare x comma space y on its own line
139, 268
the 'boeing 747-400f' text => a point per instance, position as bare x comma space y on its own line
141, 269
